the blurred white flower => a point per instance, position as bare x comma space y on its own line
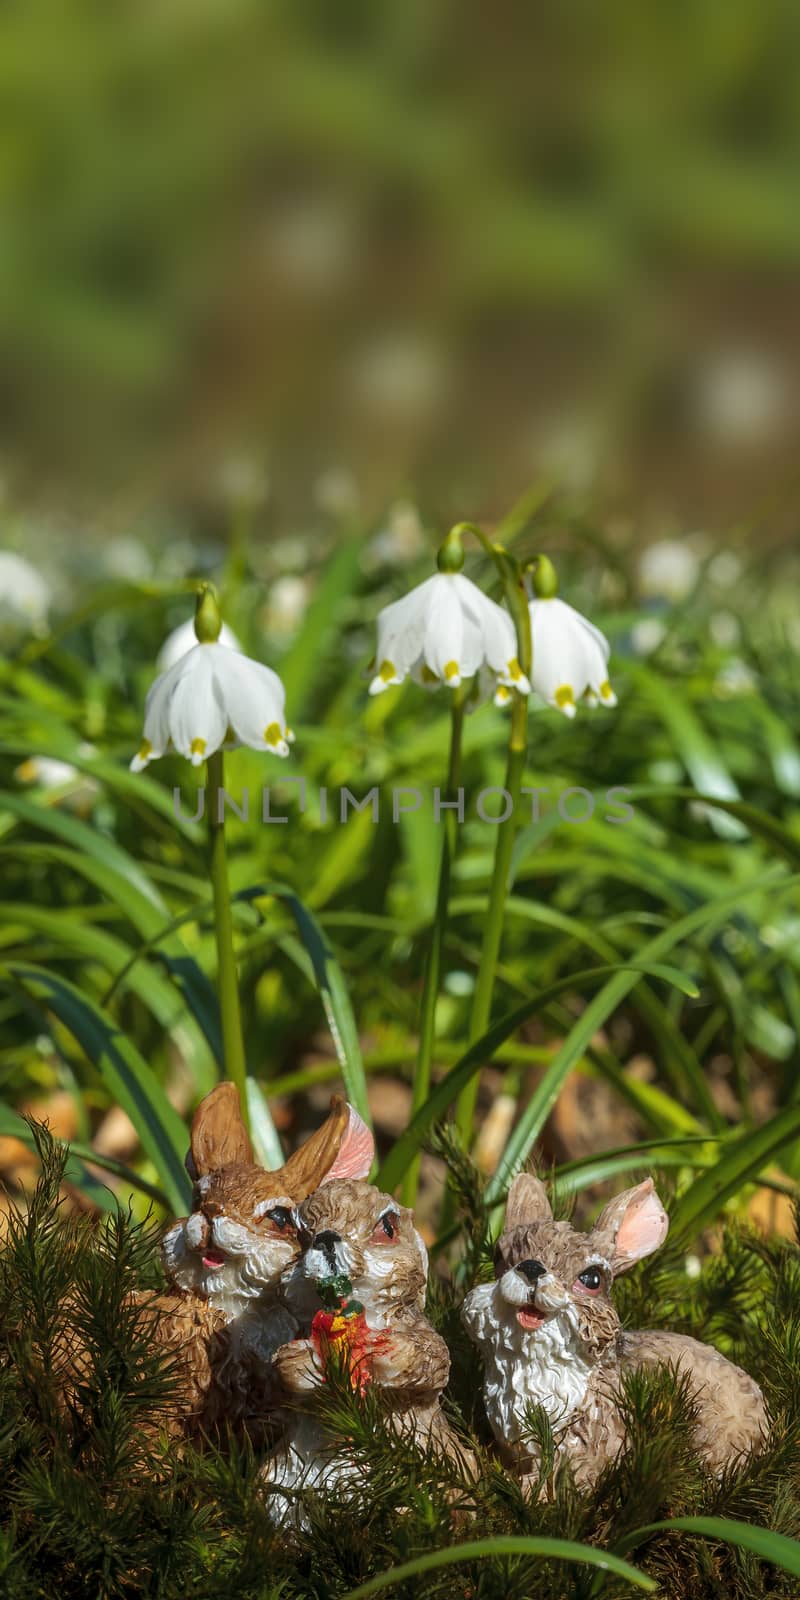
311, 241
446, 629
742, 396
570, 656
213, 697
127, 558
735, 678
569, 449
24, 594
668, 570
51, 774
647, 634
243, 480
400, 377
183, 639
45, 770
725, 569
725, 629
286, 606
336, 492
401, 540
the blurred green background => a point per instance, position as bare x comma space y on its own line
339, 251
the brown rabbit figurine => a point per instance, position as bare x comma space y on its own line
550, 1336
226, 1259
363, 1246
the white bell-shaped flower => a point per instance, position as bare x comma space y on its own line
570, 656
445, 630
213, 697
183, 638
24, 594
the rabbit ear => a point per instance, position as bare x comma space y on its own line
356, 1151
342, 1148
219, 1138
632, 1226
527, 1201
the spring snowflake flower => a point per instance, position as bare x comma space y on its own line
213, 697
570, 655
446, 630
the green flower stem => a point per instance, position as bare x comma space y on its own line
227, 984
516, 597
493, 927
433, 964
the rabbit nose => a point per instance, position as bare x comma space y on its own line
532, 1270
212, 1209
327, 1242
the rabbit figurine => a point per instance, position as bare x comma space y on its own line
550, 1336
359, 1243
225, 1260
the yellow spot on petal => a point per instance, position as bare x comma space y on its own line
144, 750
428, 676
502, 695
564, 696
273, 734
514, 670
388, 671
451, 671
198, 747
606, 691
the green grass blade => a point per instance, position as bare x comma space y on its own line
98, 944
264, 1134
505, 1545
450, 1086
88, 841
694, 747
122, 1069
597, 1013
774, 1547
13, 1126
330, 982
742, 1161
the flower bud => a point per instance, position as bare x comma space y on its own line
544, 578
451, 553
207, 616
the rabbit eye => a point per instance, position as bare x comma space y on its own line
281, 1216
385, 1228
591, 1279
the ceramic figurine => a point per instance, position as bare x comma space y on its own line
550, 1336
225, 1260
358, 1287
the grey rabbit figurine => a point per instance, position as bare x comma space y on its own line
550, 1335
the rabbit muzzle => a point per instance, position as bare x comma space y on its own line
534, 1294
326, 1256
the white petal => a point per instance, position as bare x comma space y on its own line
197, 717
254, 701
444, 631
498, 635
570, 618
401, 634
156, 712
570, 656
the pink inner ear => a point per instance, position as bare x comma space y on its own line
643, 1228
356, 1152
